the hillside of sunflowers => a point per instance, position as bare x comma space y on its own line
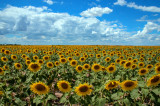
85, 75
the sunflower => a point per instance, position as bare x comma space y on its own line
141, 65
73, 63
86, 66
91, 55
4, 59
6, 52
28, 62
34, 67
154, 80
107, 59
143, 71
35, 57
5, 67
64, 86
56, 63
50, 64
134, 66
118, 61
1, 92
13, 57
40, 61
96, 67
39, 88
122, 62
69, 59
128, 64
63, 60
157, 64
157, 69
149, 66
79, 68
82, 59
112, 84
18, 66
135, 60
83, 89
98, 55
111, 68
128, 85
46, 58
1, 71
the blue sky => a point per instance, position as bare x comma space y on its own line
80, 22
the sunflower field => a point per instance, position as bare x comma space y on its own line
79, 75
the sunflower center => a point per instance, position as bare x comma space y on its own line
149, 66
133, 66
18, 65
73, 63
96, 67
46, 58
118, 60
143, 71
63, 60
50, 64
82, 59
34, 66
155, 79
4, 59
111, 68
14, 57
70, 58
158, 69
112, 84
83, 89
128, 64
86, 66
40, 61
141, 64
1, 70
40, 87
79, 68
129, 84
64, 85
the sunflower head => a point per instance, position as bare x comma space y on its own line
83, 89
141, 65
134, 66
35, 57
5, 67
154, 80
40, 61
39, 88
128, 85
98, 55
18, 66
1, 71
149, 66
157, 69
118, 60
122, 62
111, 68
128, 64
63, 60
34, 67
79, 68
50, 65
69, 58
4, 59
46, 58
13, 57
107, 59
73, 63
64, 86
28, 62
143, 71
111, 85
82, 59
96, 67
86, 66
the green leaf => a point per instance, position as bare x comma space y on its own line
134, 94
145, 91
115, 96
126, 101
19, 101
101, 102
141, 84
37, 100
63, 99
156, 91
51, 97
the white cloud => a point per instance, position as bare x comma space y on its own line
50, 2
96, 11
135, 6
120, 2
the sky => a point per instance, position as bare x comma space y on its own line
80, 22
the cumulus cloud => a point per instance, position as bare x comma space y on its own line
39, 24
96, 11
135, 6
50, 2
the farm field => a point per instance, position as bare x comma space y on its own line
79, 75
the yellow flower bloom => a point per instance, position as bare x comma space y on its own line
64, 86
83, 89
